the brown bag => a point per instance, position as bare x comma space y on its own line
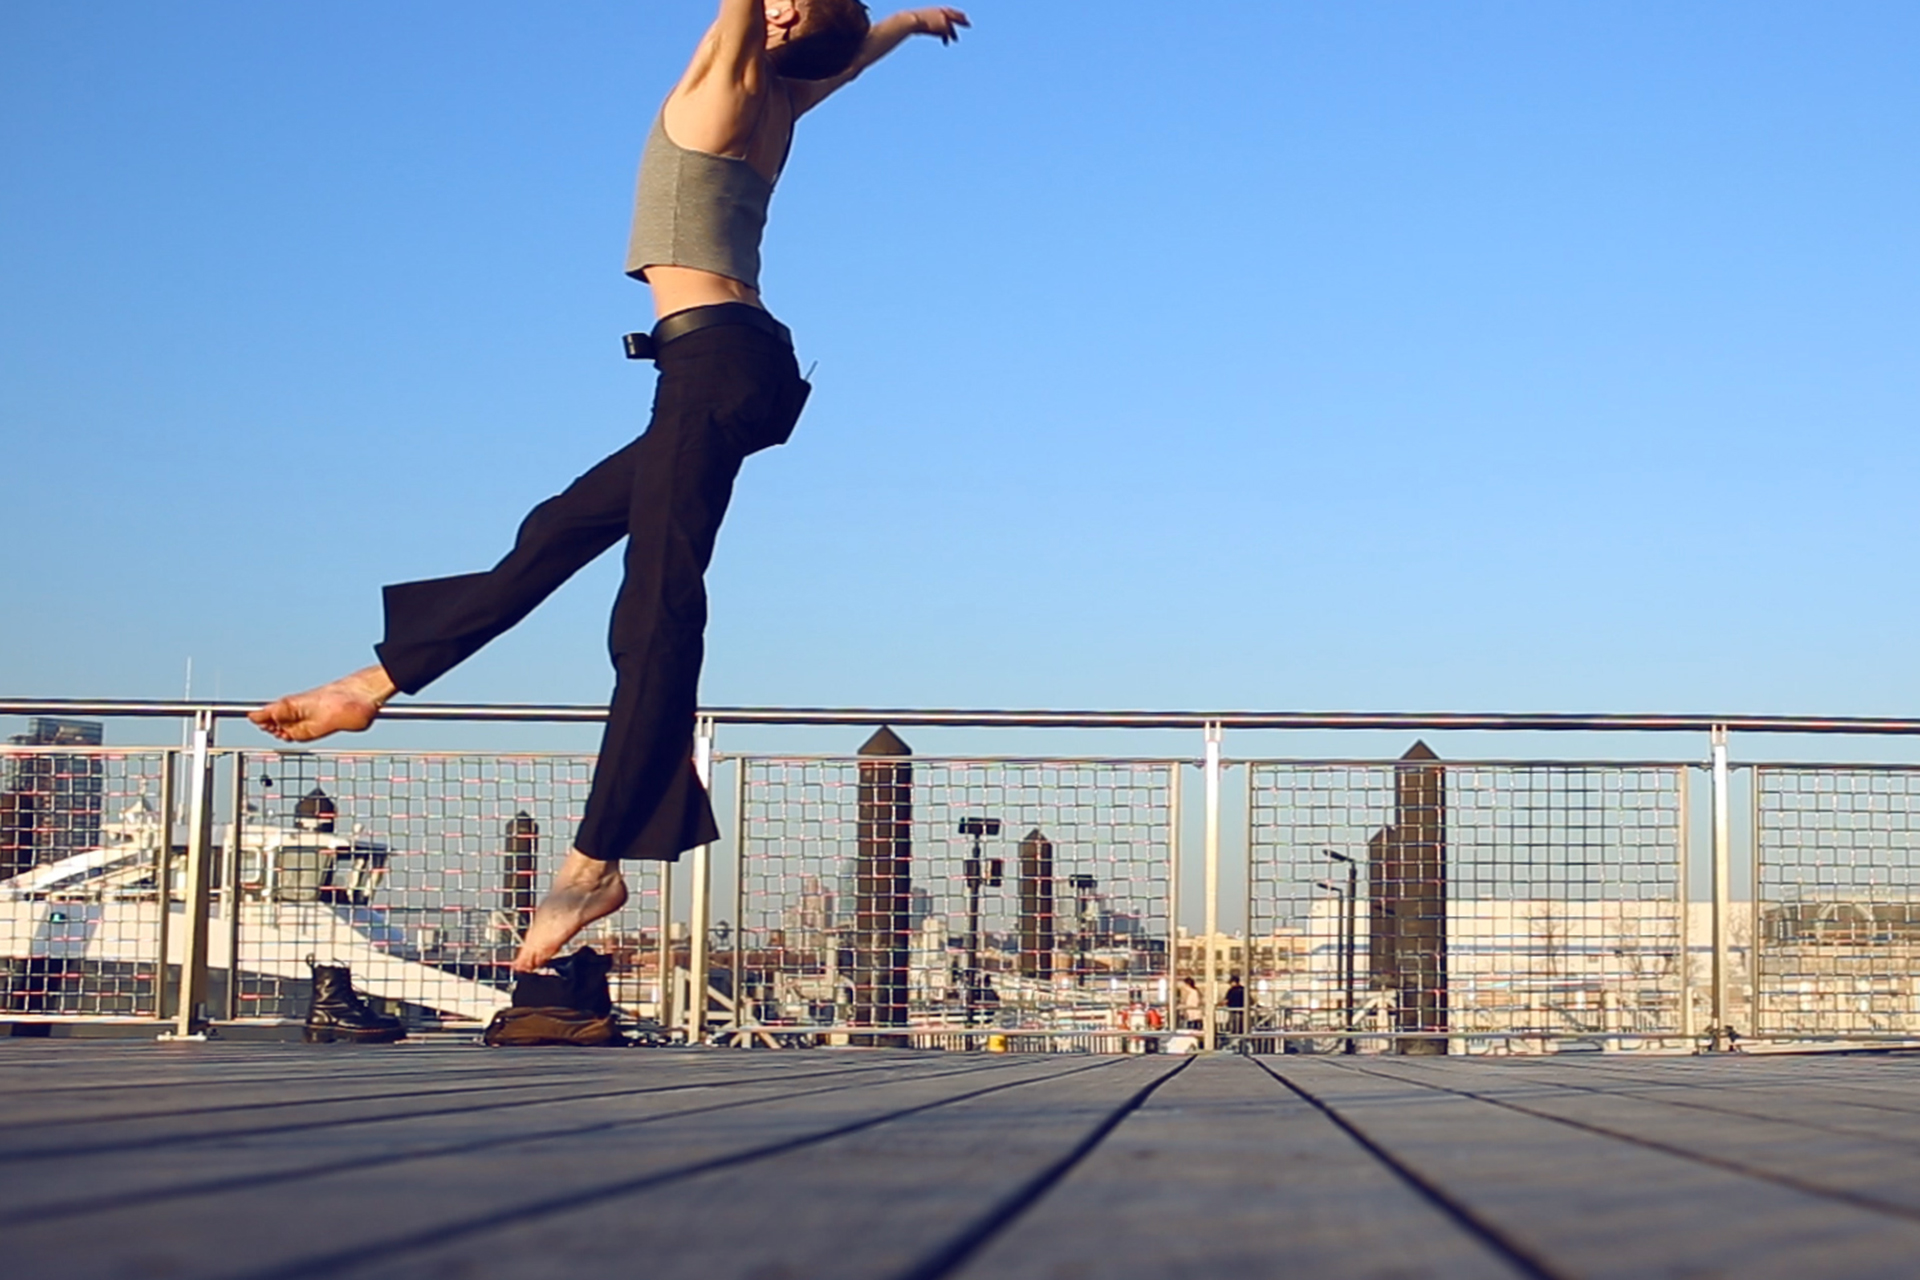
578, 981
550, 1025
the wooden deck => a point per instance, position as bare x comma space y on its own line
448, 1160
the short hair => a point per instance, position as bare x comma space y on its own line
825, 41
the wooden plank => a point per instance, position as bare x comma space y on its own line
366, 1209
1887, 1084
879, 1204
1810, 1093
1880, 1170
69, 1184
1884, 1086
364, 1071
130, 1116
137, 1117
203, 1068
1225, 1173
1590, 1205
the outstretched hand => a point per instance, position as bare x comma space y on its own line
940, 21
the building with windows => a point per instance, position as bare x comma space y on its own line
51, 801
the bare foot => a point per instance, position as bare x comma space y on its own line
584, 890
349, 704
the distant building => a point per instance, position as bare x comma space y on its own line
1284, 951
807, 925
919, 907
51, 803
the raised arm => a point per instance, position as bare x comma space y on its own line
738, 37
707, 109
887, 35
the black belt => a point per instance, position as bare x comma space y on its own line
646, 346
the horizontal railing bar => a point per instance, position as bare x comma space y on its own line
1230, 762
1455, 763
1434, 721
344, 748
943, 758
1823, 766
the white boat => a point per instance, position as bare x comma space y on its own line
305, 892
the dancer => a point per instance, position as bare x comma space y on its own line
729, 386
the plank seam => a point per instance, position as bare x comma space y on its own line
227, 1135
1857, 1199
129, 1117
1654, 1094
1652, 1090
497, 1084
969, 1242
1493, 1237
179, 1191
333, 1263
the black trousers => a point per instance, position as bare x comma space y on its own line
724, 393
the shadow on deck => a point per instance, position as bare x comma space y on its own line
123, 1159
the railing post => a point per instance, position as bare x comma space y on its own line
231, 894
1722, 862
663, 1004
1688, 1022
163, 887
1173, 896
700, 909
1209, 1036
739, 938
190, 1011
1756, 937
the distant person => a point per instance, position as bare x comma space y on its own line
1236, 1003
729, 387
1191, 1004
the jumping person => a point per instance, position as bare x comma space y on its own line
729, 386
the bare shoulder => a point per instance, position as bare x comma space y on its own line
716, 106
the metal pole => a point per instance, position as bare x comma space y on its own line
190, 1015
1722, 854
740, 894
230, 892
1248, 800
973, 936
1173, 896
1347, 947
701, 908
1687, 1020
981, 718
663, 1003
163, 885
1209, 1036
1754, 939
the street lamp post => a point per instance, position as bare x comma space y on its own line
978, 872
1348, 937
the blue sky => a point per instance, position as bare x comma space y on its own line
1214, 355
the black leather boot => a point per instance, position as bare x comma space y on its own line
337, 1012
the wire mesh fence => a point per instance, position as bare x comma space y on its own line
82, 923
947, 902
419, 871
1837, 904
927, 900
1426, 900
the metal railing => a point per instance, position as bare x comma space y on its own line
1518, 901
1408, 904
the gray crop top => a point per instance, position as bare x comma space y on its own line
694, 209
